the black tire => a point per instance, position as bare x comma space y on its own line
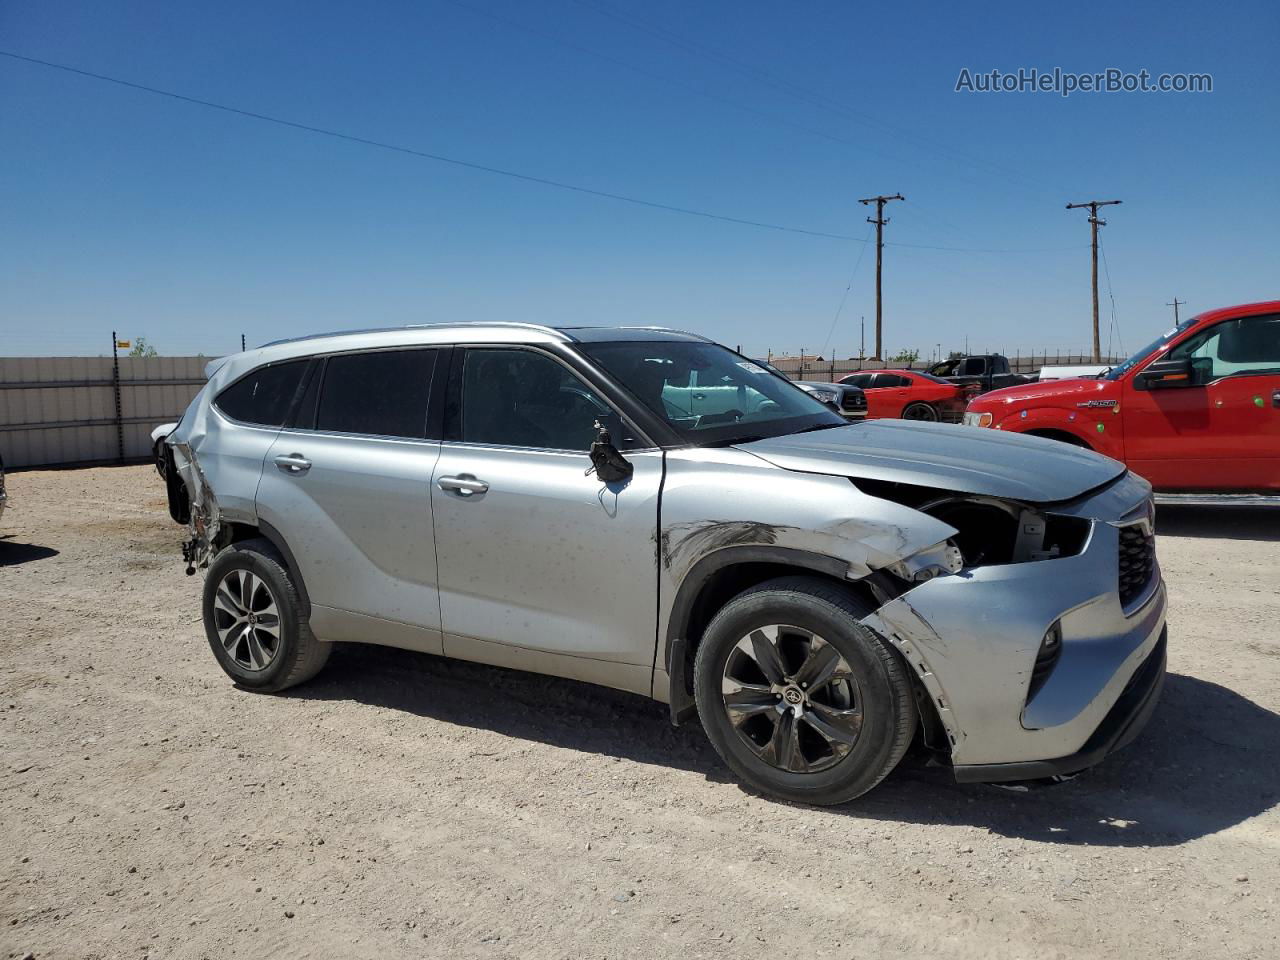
888, 720
297, 655
920, 411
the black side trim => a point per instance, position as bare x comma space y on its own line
1119, 727
175, 489
676, 655
278, 541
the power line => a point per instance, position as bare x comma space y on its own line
497, 171
1115, 323
422, 154
579, 48
845, 296
814, 98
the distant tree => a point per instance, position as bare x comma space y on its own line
905, 356
142, 349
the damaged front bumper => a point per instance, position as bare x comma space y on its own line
973, 639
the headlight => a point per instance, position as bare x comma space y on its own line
825, 396
977, 419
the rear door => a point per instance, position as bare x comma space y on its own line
542, 566
892, 393
348, 487
256, 405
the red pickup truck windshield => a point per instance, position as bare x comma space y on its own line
1196, 410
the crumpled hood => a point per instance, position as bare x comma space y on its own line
956, 458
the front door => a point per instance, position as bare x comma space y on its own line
348, 487
542, 566
1223, 431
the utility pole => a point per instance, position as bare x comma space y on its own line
1095, 223
879, 221
862, 338
1176, 304
242, 343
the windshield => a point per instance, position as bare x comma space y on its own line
1115, 373
709, 394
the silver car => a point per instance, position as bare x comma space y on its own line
648, 510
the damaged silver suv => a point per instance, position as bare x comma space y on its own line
650, 511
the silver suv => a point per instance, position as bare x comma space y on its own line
648, 510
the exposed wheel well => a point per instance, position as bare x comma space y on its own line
729, 581
1060, 435
234, 532
718, 589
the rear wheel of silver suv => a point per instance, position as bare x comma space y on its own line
800, 699
253, 619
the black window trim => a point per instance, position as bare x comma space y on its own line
1208, 332
566, 358
293, 403
321, 370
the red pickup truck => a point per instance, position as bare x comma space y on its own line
1197, 411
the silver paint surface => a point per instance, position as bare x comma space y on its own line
552, 570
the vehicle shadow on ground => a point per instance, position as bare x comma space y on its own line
12, 554
1219, 523
1209, 760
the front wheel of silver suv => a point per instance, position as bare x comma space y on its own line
253, 619
800, 699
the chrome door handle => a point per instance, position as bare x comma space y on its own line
464, 484
294, 463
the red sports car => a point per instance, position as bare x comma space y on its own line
910, 395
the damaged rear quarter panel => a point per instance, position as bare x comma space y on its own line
717, 498
220, 462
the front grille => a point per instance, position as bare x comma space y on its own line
1137, 562
853, 401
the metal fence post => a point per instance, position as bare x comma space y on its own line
115, 385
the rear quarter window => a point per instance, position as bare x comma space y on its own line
264, 396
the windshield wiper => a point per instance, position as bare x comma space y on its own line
729, 441
821, 426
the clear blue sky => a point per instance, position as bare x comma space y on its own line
120, 209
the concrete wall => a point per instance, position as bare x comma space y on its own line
61, 410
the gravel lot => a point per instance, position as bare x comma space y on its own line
406, 806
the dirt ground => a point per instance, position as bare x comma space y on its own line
406, 806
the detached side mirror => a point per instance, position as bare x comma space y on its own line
1165, 373
606, 462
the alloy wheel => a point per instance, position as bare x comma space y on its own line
792, 698
247, 620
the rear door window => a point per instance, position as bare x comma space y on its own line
263, 397
381, 394
891, 380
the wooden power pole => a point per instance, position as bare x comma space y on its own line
1176, 304
1095, 223
879, 221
